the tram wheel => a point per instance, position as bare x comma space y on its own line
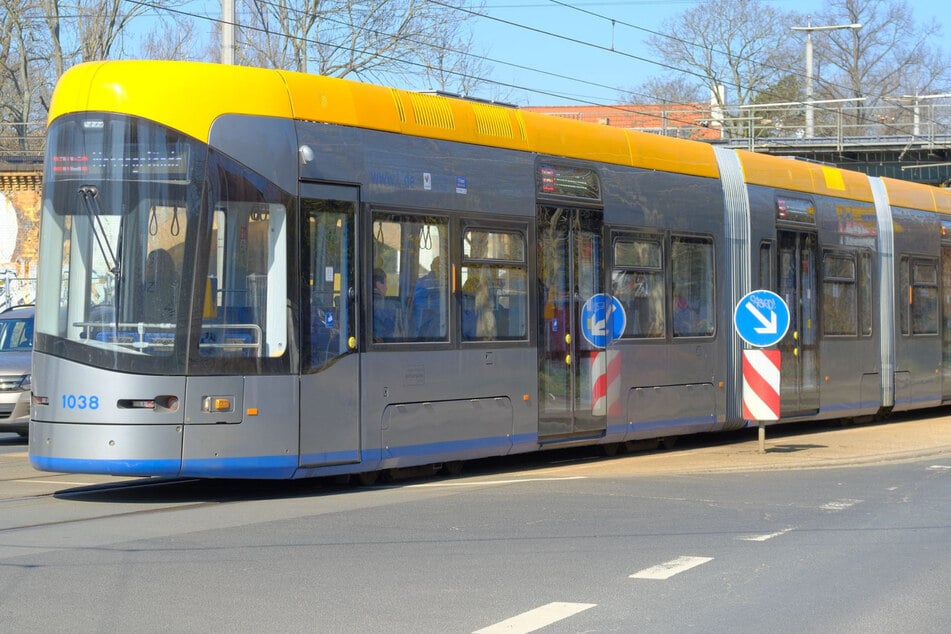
610, 449
453, 468
367, 478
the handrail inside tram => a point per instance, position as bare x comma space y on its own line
144, 336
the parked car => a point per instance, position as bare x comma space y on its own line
16, 359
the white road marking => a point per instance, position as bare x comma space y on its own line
669, 569
473, 483
839, 505
939, 467
536, 619
763, 538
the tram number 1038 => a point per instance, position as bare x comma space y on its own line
80, 401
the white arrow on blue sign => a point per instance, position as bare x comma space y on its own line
761, 318
599, 314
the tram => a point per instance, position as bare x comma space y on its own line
249, 273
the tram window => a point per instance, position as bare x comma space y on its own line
766, 265
839, 294
638, 283
244, 313
904, 297
692, 285
918, 312
246, 317
412, 251
327, 267
493, 298
865, 293
924, 299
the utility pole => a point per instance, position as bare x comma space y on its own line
227, 31
810, 111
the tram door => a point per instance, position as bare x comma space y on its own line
946, 320
569, 273
797, 277
330, 369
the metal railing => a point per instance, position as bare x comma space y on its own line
897, 124
16, 291
21, 153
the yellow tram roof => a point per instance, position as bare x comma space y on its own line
916, 196
189, 96
788, 173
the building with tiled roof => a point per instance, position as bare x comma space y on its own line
686, 120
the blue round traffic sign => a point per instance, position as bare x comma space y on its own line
602, 319
761, 318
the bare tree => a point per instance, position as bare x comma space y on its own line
40, 39
734, 47
21, 83
781, 113
676, 89
891, 55
454, 67
747, 46
176, 39
101, 26
369, 39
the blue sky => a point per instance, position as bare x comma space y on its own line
608, 73
560, 55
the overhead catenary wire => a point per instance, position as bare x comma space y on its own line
538, 91
611, 49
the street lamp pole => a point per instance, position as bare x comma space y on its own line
810, 112
227, 31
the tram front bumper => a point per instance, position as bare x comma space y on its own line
121, 450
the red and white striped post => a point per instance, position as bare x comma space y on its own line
761, 385
605, 383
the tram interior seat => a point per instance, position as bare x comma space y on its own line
228, 330
502, 323
470, 318
428, 326
469, 315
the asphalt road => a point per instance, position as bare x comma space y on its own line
735, 541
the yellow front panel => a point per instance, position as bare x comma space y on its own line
184, 96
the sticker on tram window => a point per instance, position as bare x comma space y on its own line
80, 401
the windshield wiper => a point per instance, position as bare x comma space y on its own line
90, 195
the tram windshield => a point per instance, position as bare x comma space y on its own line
130, 276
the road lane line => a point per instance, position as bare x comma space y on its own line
763, 538
839, 505
939, 467
668, 569
536, 619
